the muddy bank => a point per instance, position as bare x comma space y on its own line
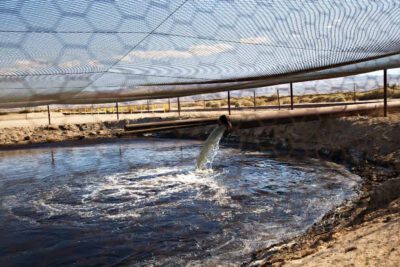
370, 147
21, 136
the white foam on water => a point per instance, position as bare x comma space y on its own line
130, 192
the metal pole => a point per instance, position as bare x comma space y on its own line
148, 105
48, 114
279, 100
385, 105
354, 94
116, 105
169, 105
179, 107
254, 100
291, 96
229, 102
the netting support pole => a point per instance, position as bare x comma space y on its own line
48, 114
385, 94
179, 107
354, 94
254, 100
291, 96
229, 102
279, 100
169, 105
116, 106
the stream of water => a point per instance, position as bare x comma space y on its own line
142, 202
210, 149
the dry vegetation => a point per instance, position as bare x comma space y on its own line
393, 92
242, 102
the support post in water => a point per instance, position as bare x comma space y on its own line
48, 114
179, 107
291, 96
116, 106
229, 102
385, 94
254, 100
279, 100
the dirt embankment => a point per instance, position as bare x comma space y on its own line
362, 232
17, 136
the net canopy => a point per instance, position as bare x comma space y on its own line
67, 52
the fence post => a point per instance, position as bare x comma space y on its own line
169, 105
385, 93
254, 100
354, 94
116, 106
291, 96
279, 100
179, 107
229, 102
48, 114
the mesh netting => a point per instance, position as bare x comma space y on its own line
66, 52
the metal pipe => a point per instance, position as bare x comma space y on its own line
385, 93
290, 116
137, 126
262, 119
164, 128
291, 96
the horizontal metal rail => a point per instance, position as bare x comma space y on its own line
165, 128
310, 114
138, 126
245, 121
209, 109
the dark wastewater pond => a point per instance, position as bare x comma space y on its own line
142, 203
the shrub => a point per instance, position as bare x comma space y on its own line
215, 105
319, 99
338, 98
24, 111
373, 94
246, 103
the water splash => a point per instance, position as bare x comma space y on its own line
210, 148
